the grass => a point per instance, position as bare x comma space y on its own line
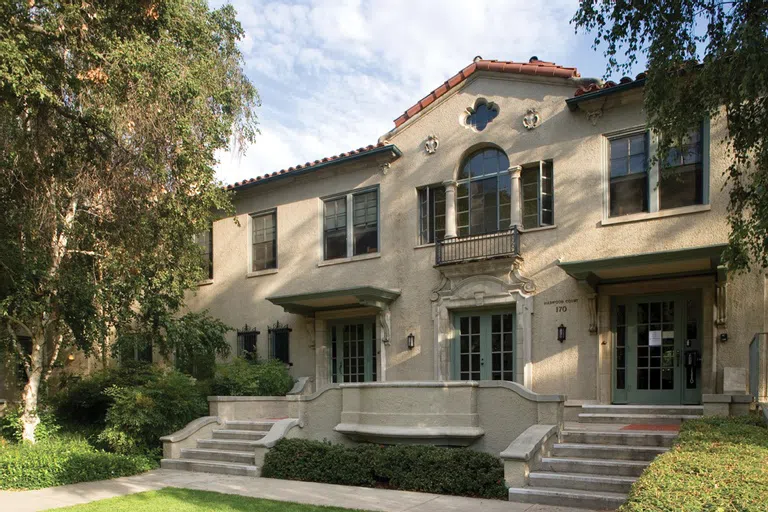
716, 464
187, 500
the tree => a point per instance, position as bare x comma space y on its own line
111, 112
704, 58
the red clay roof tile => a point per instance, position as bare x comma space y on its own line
533, 67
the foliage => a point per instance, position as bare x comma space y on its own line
63, 460
140, 415
246, 378
111, 114
716, 464
11, 425
188, 500
703, 58
456, 471
82, 400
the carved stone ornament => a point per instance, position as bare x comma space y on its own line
531, 119
431, 145
594, 115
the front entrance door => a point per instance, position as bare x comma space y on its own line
657, 343
353, 350
484, 346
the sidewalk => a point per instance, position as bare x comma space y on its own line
280, 490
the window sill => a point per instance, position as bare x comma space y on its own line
359, 257
258, 273
205, 282
425, 246
534, 230
636, 217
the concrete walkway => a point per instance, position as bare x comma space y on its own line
280, 490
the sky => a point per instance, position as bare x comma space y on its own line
332, 75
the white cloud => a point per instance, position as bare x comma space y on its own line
334, 74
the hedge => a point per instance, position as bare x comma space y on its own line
456, 471
717, 464
251, 378
63, 460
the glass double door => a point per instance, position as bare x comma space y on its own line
353, 350
657, 350
484, 346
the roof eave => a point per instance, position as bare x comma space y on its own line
573, 103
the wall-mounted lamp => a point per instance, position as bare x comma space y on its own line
71, 357
561, 333
411, 341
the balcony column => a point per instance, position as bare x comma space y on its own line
515, 217
450, 209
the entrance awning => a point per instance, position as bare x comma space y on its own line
666, 264
308, 304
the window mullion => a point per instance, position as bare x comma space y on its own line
350, 225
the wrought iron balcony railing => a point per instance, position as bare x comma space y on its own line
502, 244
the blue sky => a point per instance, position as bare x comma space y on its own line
333, 74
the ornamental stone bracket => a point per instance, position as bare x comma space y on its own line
492, 283
593, 116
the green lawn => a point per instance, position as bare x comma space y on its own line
717, 465
187, 500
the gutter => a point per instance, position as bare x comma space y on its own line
573, 103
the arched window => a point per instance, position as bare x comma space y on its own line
483, 193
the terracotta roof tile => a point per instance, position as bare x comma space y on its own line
533, 67
298, 167
594, 87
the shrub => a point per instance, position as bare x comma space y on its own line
11, 426
456, 471
83, 401
140, 415
244, 378
715, 464
63, 460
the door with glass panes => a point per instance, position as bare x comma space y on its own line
657, 350
353, 350
484, 345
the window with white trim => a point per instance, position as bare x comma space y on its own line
681, 178
431, 214
263, 241
351, 225
204, 241
629, 174
537, 194
483, 194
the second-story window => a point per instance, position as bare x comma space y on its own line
351, 225
537, 195
629, 174
681, 178
483, 193
263, 241
431, 214
204, 241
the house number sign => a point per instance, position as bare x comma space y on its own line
561, 305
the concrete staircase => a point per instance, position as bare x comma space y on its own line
595, 463
640, 414
230, 450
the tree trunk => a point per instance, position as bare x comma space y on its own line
29, 416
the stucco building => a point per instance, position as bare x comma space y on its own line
512, 225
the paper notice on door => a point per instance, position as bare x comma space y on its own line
668, 335
654, 339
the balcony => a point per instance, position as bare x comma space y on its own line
502, 244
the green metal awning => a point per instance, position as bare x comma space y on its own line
308, 304
665, 264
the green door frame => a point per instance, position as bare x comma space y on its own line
680, 394
485, 341
369, 338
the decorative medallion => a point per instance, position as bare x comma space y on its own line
531, 119
431, 145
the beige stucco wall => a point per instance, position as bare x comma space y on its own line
577, 148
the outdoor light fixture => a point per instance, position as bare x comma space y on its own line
411, 341
561, 333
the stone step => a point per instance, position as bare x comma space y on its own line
581, 481
218, 455
607, 451
620, 437
209, 466
644, 419
241, 435
569, 497
259, 426
227, 444
681, 410
593, 466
